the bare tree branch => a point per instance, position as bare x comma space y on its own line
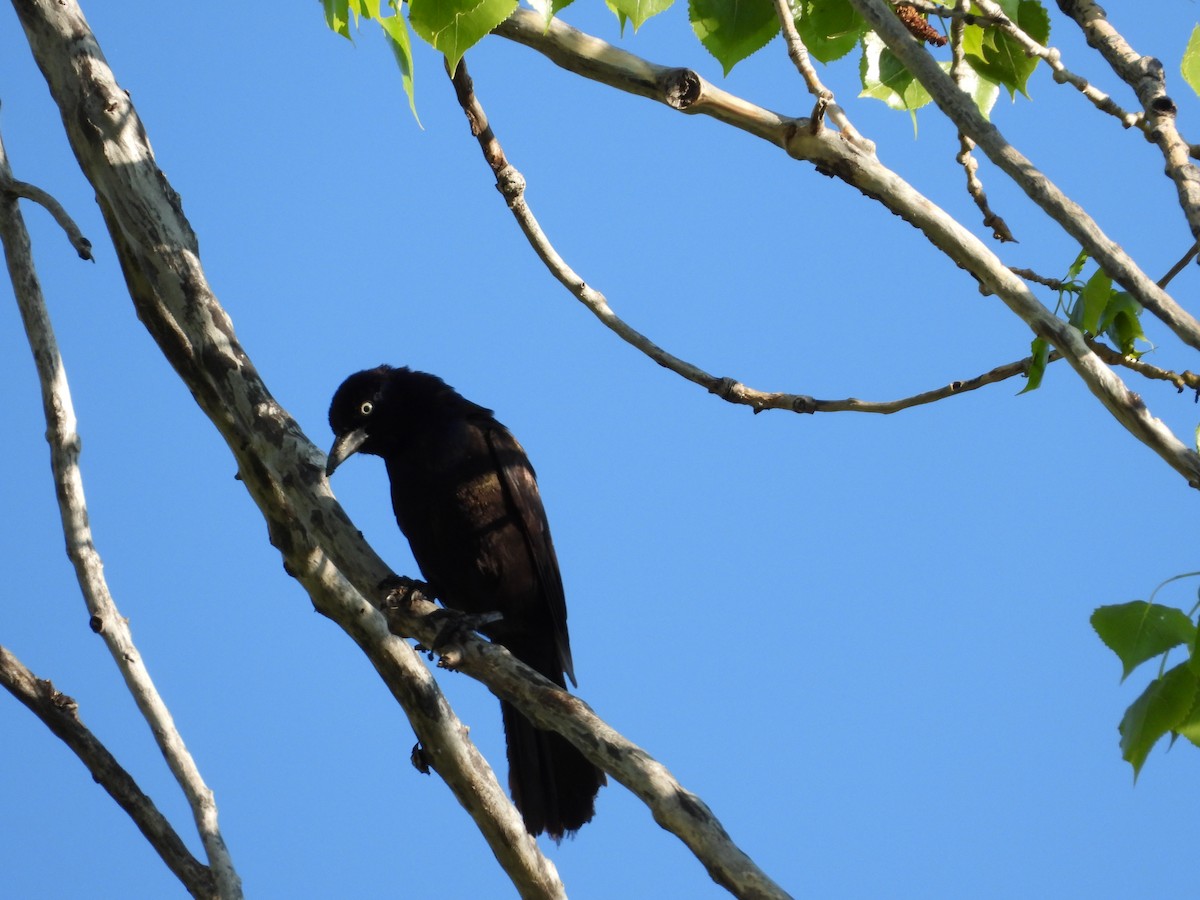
961, 110
830, 153
1145, 75
992, 14
1182, 380
800, 58
511, 183
68, 481
28, 192
60, 714
281, 469
674, 808
1055, 284
966, 146
1179, 266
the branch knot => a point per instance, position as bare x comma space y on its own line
681, 88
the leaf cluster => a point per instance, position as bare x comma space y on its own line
1095, 308
731, 30
1138, 632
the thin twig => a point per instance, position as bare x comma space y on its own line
60, 714
966, 158
28, 191
825, 99
685, 91
992, 15
1179, 266
106, 619
1054, 284
1182, 381
1074, 220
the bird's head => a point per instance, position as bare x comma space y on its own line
357, 405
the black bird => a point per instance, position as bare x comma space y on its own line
466, 498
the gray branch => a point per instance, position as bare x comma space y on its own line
281, 469
961, 110
26, 191
676, 809
833, 154
60, 714
992, 14
89, 571
1145, 75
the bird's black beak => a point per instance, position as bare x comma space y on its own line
344, 447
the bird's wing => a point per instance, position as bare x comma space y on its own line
521, 491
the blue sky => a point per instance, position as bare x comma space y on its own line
863, 640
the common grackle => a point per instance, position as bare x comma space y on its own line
466, 498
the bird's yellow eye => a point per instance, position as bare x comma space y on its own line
366, 408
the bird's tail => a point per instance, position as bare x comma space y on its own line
552, 783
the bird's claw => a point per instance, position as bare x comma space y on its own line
397, 592
453, 632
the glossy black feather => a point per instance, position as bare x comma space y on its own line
466, 497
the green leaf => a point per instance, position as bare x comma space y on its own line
1120, 321
829, 28
1093, 301
885, 78
998, 57
1077, 266
1190, 726
733, 29
1040, 351
455, 26
337, 17
1194, 649
982, 89
548, 9
1191, 61
398, 39
1138, 631
1163, 707
638, 11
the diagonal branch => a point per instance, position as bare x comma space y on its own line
961, 110
548, 706
1145, 75
60, 714
832, 154
280, 468
511, 184
993, 15
106, 620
